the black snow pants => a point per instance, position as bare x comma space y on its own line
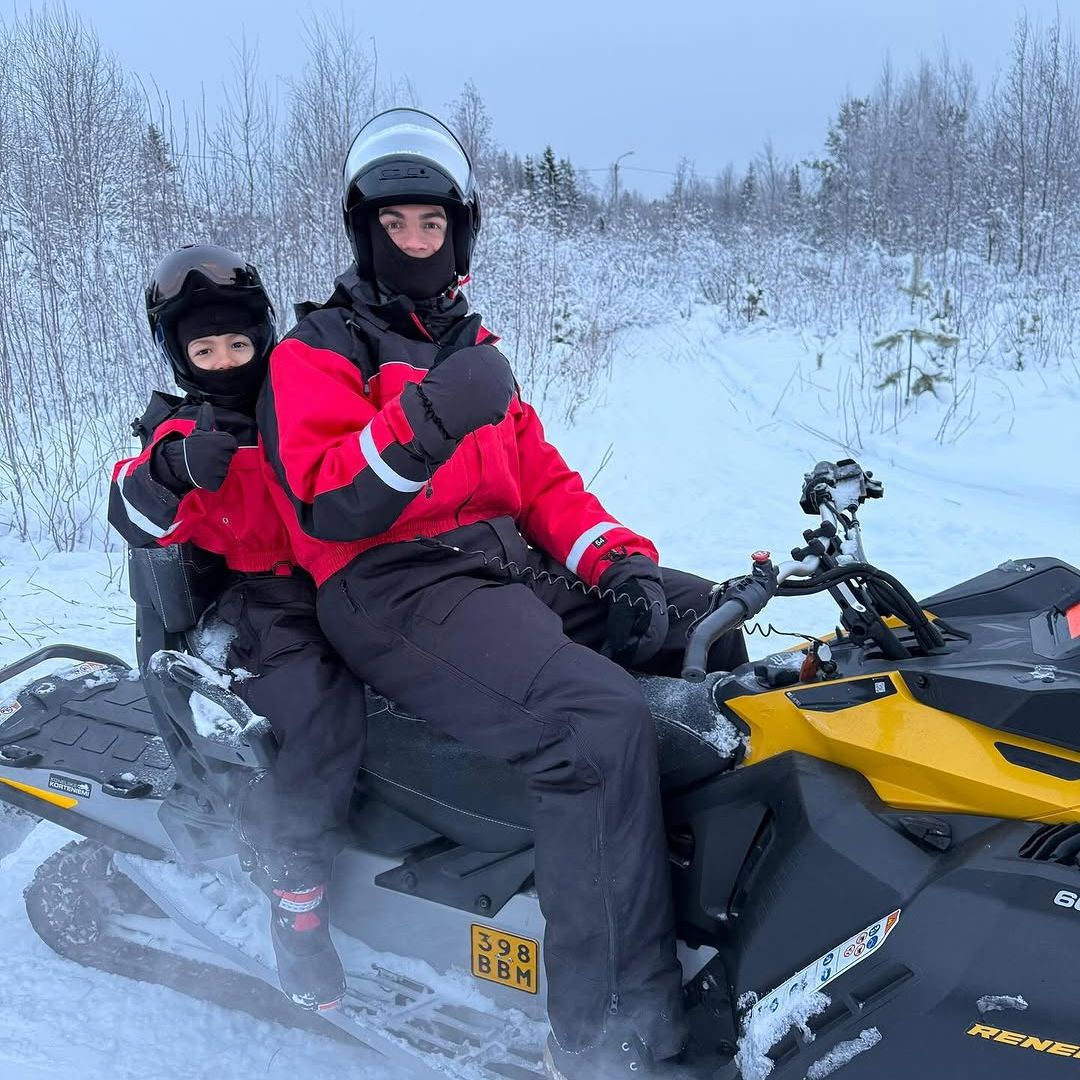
511, 669
293, 815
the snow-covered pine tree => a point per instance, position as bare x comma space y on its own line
920, 371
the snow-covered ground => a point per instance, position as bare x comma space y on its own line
61, 1019
709, 436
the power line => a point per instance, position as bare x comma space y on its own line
659, 172
630, 168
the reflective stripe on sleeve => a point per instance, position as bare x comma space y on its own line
136, 517
379, 467
582, 543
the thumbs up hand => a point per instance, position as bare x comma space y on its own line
200, 459
205, 420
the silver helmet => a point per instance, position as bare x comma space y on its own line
402, 156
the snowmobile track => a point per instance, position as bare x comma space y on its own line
86, 902
424, 1030
68, 907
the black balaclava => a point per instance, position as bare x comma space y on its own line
399, 274
208, 320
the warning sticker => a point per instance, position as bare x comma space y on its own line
81, 670
9, 710
834, 963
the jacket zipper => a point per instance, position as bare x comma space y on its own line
422, 328
605, 888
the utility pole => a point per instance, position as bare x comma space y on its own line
615, 174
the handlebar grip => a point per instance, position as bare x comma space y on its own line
726, 617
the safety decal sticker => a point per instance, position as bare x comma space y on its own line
81, 670
9, 710
834, 963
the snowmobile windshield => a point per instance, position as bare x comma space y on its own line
215, 265
406, 153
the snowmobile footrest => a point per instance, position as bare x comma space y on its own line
480, 882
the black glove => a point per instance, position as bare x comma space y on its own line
468, 389
637, 624
199, 460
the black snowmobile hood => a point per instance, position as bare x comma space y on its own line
445, 319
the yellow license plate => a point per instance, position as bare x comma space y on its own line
505, 958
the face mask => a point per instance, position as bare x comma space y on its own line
400, 274
233, 386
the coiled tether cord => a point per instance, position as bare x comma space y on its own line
528, 574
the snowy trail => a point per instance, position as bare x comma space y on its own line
709, 440
710, 436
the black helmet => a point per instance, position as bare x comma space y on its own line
401, 156
204, 277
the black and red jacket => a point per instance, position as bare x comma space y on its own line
239, 521
336, 436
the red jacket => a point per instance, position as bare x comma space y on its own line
335, 434
239, 521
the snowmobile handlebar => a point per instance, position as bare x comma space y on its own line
835, 491
737, 601
833, 557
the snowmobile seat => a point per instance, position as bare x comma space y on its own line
472, 800
483, 804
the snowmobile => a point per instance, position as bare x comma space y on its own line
874, 835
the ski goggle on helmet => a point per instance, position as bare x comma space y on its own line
408, 156
205, 274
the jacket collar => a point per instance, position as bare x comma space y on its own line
444, 320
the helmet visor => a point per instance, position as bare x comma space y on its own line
216, 265
408, 134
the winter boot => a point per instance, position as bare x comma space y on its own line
309, 968
616, 1057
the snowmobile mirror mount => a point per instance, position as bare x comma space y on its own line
844, 484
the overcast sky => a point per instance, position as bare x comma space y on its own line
708, 79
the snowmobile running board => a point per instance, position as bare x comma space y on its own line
419, 1029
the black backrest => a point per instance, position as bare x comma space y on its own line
172, 587
179, 582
